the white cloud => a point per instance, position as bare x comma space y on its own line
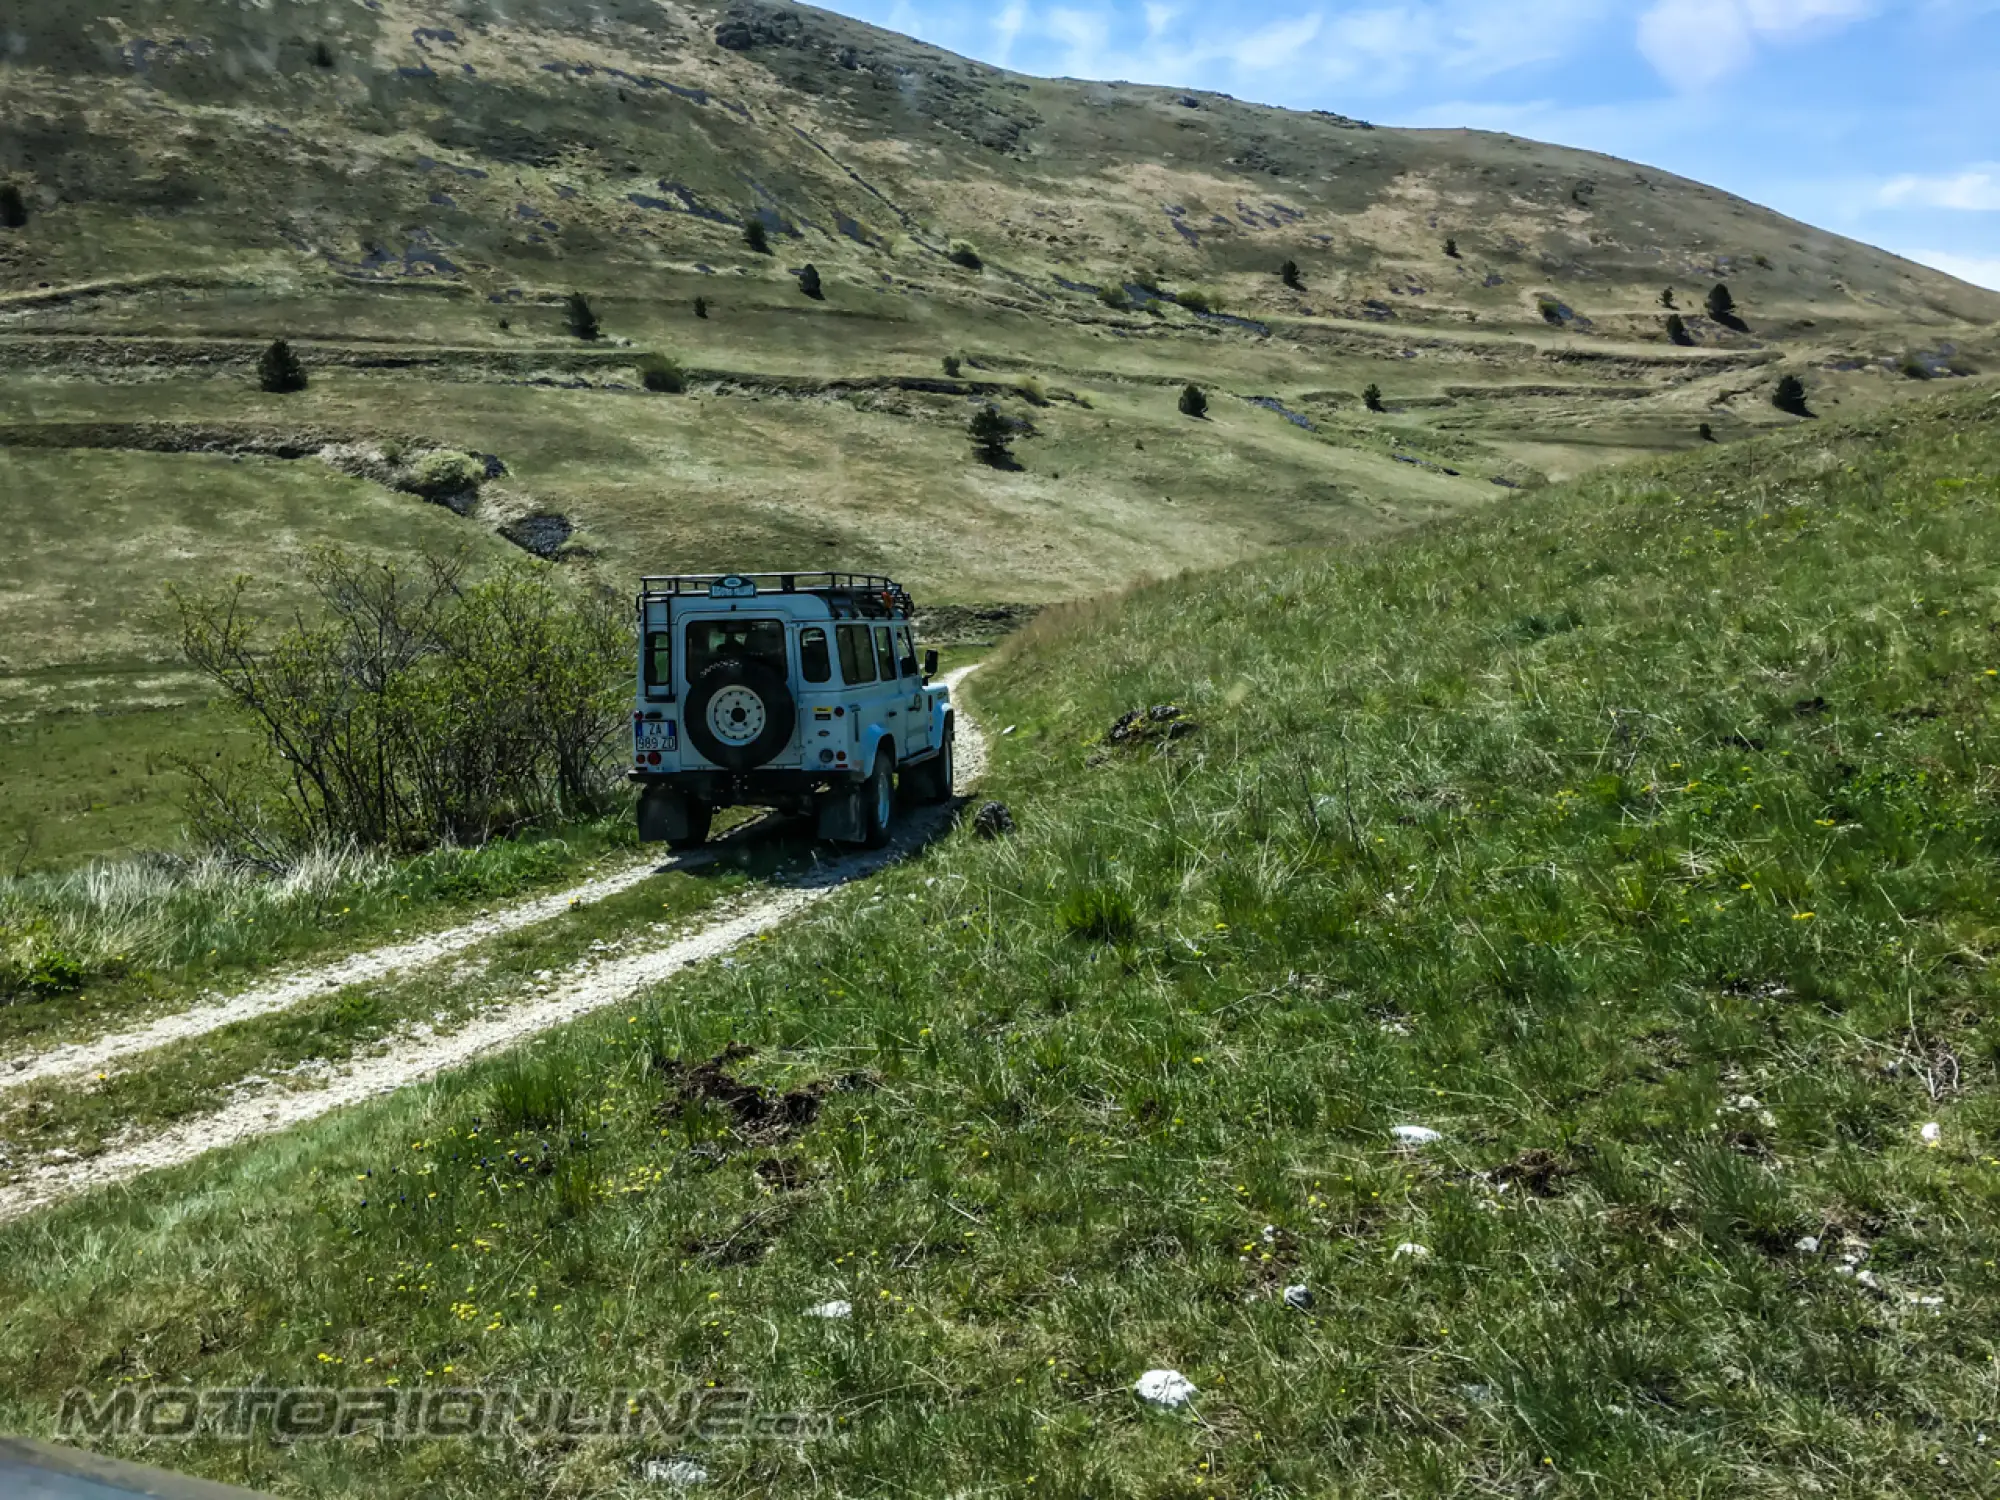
1007, 26
1696, 42
1980, 270
1975, 190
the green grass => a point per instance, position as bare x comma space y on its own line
1639, 838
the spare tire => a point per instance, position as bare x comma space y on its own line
740, 714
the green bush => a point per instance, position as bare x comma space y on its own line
1115, 297
657, 372
1099, 915
755, 237
442, 473
1372, 397
1194, 401
963, 254
992, 436
581, 320
279, 370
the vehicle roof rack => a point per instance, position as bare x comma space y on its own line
872, 593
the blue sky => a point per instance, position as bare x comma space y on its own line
1879, 119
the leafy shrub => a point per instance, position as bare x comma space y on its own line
659, 373
409, 708
279, 370
1552, 310
755, 237
1915, 369
1372, 397
809, 281
1116, 298
13, 207
54, 972
1195, 299
1032, 390
582, 321
963, 254
1194, 401
442, 473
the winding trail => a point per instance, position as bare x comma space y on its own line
585, 987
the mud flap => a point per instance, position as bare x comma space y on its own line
663, 815
841, 817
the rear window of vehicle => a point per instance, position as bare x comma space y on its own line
857, 654
711, 641
814, 660
659, 664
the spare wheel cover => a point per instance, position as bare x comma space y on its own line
740, 714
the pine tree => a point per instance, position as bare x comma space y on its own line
1677, 329
1791, 396
755, 237
1372, 397
1707, 433
322, 55
279, 370
1721, 306
991, 435
582, 321
809, 281
1451, 248
13, 207
952, 366
1194, 402
701, 307
1667, 297
1289, 274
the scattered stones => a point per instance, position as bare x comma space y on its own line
1159, 724
837, 1308
1167, 1388
993, 820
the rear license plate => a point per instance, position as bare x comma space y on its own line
657, 734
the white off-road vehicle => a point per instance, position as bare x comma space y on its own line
796, 691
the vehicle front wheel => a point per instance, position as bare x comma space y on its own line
699, 816
878, 802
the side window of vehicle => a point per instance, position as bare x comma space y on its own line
885, 654
659, 664
814, 660
906, 643
857, 655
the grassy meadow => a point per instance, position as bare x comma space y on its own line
1639, 839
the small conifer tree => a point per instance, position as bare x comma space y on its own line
1372, 397
322, 55
952, 366
1451, 248
1791, 396
1667, 297
701, 307
279, 370
1194, 401
991, 436
755, 237
13, 207
1289, 274
1707, 433
809, 281
1677, 329
582, 321
1721, 306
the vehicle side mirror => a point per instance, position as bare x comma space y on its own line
930, 664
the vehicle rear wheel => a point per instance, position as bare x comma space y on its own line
699, 816
878, 802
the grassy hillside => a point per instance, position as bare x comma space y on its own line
1638, 839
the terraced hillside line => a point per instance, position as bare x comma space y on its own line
582, 989
74, 1058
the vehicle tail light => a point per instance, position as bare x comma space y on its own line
652, 757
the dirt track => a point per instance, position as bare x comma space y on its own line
583, 988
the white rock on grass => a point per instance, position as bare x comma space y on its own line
681, 1473
1299, 1297
1168, 1388
834, 1309
1410, 1250
1931, 1132
1808, 1245
1415, 1135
